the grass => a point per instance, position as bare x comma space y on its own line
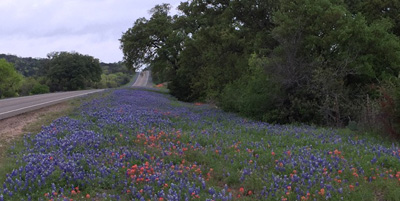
140, 144
132, 81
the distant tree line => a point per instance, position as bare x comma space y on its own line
28, 67
61, 71
323, 62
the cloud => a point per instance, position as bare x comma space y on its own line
36, 28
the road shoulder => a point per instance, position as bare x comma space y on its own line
13, 129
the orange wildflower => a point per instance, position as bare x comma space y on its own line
322, 192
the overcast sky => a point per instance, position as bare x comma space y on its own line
34, 28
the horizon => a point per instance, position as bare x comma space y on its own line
38, 58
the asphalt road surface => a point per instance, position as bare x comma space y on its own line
13, 106
142, 79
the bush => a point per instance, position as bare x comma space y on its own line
27, 86
32, 86
40, 89
10, 79
254, 95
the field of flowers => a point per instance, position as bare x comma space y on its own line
132, 144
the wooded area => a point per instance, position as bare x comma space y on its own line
61, 71
324, 62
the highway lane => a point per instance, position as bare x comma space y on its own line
142, 80
13, 106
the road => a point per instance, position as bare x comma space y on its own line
142, 80
14, 106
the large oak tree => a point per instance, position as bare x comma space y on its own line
72, 71
309, 61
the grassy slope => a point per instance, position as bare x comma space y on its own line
128, 144
134, 78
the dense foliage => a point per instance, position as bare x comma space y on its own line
37, 79
131, 144
10, 79
72, 71
32, 86
28, 67
319, 62
114, 75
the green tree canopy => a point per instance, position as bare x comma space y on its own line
10, 79
72, 71
150, 42
327, 57
309, 61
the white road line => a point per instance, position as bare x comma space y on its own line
23, 97
47, 102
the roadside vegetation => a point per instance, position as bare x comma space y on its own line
31, 122
313, 87
129, 144
328, 63
61, 71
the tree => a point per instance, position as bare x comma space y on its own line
327, 58
202, 49
151, 42
10, 79
374, 10
314, 61
72, 71
28, 67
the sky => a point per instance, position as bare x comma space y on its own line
34, 28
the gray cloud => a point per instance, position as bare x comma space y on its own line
93, 27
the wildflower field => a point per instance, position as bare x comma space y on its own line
131, 144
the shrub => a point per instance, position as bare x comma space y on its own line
254, 95
40, 89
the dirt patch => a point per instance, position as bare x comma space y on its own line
13, 127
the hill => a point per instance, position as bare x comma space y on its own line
27, 66
35, 67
